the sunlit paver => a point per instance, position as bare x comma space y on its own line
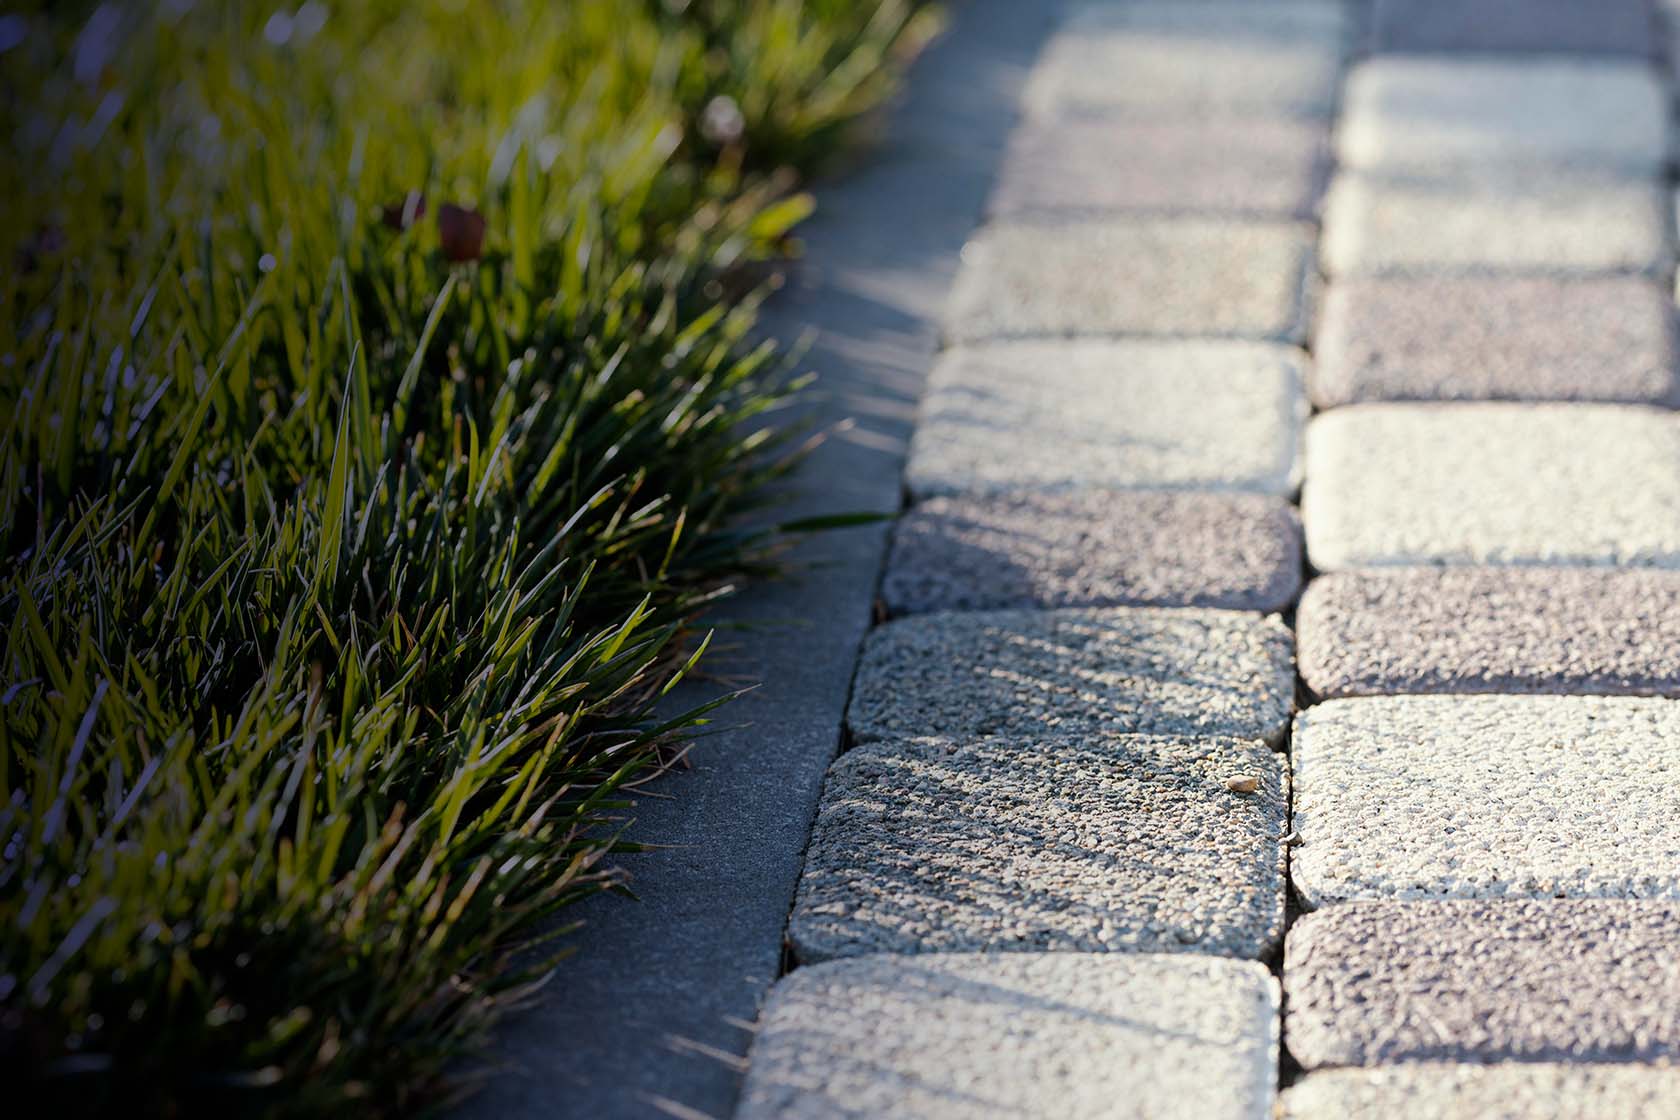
1577, 980
1234, 551
1131, 414
1557, 223
1103, 842
1454, 1091
1421, 114
1190, 59
1402, 484
1597, 27
1032, 1035
1075, 672
1415, 797
1478, 630
1601, 338
1150, 276
1271, 166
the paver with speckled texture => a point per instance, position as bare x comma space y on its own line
1102, 842
1560, 980
1513, 1090
1073, 672
1031, 1035
1233, 551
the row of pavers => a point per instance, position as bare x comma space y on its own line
1485, 796
1044, 876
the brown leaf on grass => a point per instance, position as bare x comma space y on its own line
461, 232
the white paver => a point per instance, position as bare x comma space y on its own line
1030, 1035
1453, 1091
1493, 484
1418, 797
1122, 414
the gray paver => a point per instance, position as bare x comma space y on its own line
1132, 414
1034, 1035
1162, 276
1100, 843
1193, 59
1413, 797
1095, 548
1560, 223
1576, 980
1419, 114
1606, 338
1499, 484
1615, 27
1075, 672
1501, 630
1506, 1091
1218, 165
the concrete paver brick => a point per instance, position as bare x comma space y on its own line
1608, 27
1450, 1091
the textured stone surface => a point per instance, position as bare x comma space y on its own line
1613, 27
1193, 59
1606, 338
1507, 630
1537, 223
1412, 114
1579, 980
1507, 1091
1130, 414
1095, 548
1032, 1035
1398, 484
1265, 166
1487, 797
1142, 276
1074, 672
1111, 842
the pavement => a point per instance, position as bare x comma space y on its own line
1272, 699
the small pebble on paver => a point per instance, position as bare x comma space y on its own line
1117, 414
1074, 672
1509, 1090
1265, 166
1100, 843
1560, 980
1500, 630
1492, 484
1552, 223
1399, 338
1031, 1035
1148, 276
1185, 60
1095, 548
1582, 27
1437, 115
1419, 797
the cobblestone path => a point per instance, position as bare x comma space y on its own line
1096, 848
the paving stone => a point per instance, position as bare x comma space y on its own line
1493, 484
1414, 797
1623, 27
1499, 630
1576, 980
1095, 548
1193, 59
1210, 277
1095, 843
1176, 165
1574, 223
1075, 672
1606, 338
1507, 1091
1412, 114
1032, 1035
1125, 414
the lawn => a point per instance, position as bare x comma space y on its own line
380, 406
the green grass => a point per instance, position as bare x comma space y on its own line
347, 557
